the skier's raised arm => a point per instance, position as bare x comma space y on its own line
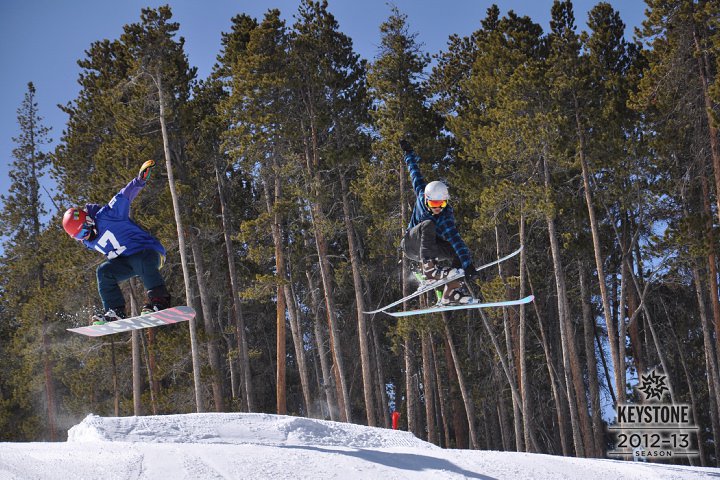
411, 160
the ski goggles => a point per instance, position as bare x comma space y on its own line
436, 203
85, 230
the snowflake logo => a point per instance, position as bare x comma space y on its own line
653, 385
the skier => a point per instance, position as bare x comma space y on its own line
130, 250
432, 237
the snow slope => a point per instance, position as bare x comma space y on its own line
259, 446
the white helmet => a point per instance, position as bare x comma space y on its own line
436, 191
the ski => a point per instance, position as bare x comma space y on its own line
163, 317
475, 304
439, 283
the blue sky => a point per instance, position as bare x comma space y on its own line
42, 40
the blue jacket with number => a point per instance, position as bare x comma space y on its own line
444, 221
117, 235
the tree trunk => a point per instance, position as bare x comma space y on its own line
555, 382
593, 384
327, 380
704, 76
564, 334
633, 329
115, 383
515, 395
382, 400
146, 348
280, 305
688, 380
573, 373
511, 351
711, 366
298, 344
244, 360
502, 414
136, 374
136, 363
333, 330
460, 425
711, 261
405, 274
177, 208
656, 339
363, 339
625, 251
210, 331
467, 399
442, 398
318, 220
147, 352
522, 340
428, 387
280, 354
618, 362
152, 368
49, 387
411, 386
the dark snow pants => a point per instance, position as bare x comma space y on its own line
422, 243
145, 264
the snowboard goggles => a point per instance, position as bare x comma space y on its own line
436, 203
85, 230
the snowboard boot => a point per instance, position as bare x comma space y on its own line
158, 299
433, 271
110, 316
455, 293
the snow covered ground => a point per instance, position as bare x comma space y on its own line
259, 446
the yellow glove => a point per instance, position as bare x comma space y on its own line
146, 170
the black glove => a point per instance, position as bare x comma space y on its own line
405, 145
471, 273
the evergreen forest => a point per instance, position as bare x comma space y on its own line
281, 196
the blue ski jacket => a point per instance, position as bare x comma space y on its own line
117, 235
444, 221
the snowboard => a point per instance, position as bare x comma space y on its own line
474, 304
163, 317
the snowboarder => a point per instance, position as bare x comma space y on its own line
432, 237
130, 250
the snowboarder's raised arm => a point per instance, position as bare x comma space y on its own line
131, 190
411, 160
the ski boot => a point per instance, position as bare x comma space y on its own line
110, 316
455, 293
158, 299
432, 271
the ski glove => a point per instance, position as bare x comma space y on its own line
146, 170
405, 145
471, 273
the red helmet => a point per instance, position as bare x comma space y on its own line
74, 220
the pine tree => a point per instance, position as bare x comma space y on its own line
160, 67
327, 79
24, 273
257, 108
232, 185
673, 99
614, 167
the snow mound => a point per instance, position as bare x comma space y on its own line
239, 428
